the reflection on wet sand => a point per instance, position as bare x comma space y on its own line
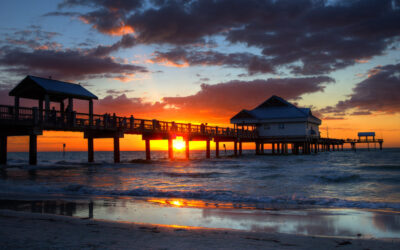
59, 207
193, 213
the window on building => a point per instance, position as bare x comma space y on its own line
267, 126
281, 125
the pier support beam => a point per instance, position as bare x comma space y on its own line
257, 148
380, 145
262, 148
187, 149
170, 149
16, 107
32, 149
235, 149
3, 150
148, 158
273, 148
116, 150
217, 149
240, 148
208, 155
90, 149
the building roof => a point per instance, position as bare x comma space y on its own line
33, 87
274, 108
366, 133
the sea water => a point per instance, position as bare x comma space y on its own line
246, 192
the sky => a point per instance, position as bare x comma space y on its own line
205, 60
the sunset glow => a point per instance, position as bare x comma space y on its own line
179, 144
193, 73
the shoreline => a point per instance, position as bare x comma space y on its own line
21, 230
309, 222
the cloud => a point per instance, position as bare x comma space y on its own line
308, 37
65, 64
179, 58
126, 41
223, 100
109, 16
378, 93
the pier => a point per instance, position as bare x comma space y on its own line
365, 138
32, 121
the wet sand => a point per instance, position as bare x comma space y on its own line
21, 230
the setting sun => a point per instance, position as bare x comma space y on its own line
179, 144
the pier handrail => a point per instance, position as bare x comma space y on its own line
56, 119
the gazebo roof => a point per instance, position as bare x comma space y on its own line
33, 87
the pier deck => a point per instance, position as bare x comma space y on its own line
23, 121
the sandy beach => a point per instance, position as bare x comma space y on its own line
20, 230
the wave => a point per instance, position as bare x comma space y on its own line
338, 178
193, 174
380, 167
271, 176
208, 195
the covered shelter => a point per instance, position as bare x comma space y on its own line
366, 135
48, 90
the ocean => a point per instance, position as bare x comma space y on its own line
288, 193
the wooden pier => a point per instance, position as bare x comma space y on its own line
32, 121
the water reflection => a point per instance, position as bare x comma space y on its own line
192, 213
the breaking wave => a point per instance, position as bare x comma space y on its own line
211, 195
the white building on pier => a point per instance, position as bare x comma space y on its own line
278, 118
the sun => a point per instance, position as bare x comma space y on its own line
179, 144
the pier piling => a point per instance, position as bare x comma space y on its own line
217, 149
3, 150
116, 149
32, 149
208, 149
147, 150
170, 149
90, 149
187, 149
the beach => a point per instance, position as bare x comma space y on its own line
326, 201
22, 230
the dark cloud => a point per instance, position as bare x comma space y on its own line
126, 41
379, 92
306, 36
33, 37
179, 57
118, 92
62, 13
65, 64
109, 16
108, 4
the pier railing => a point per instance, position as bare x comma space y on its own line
74, 121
